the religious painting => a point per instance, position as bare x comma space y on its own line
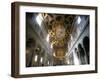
53, 39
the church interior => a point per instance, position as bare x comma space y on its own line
57, 39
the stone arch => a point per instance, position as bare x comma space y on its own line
86, 44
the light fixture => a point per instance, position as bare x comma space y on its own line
48, 62
68, 62
36, 57
39, 19
54, 54
79, 20
41, 59
76, 61
47, 38
51, 46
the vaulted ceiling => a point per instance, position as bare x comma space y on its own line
59, 27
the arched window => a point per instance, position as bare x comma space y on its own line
86, 47
30, 45
82, 54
